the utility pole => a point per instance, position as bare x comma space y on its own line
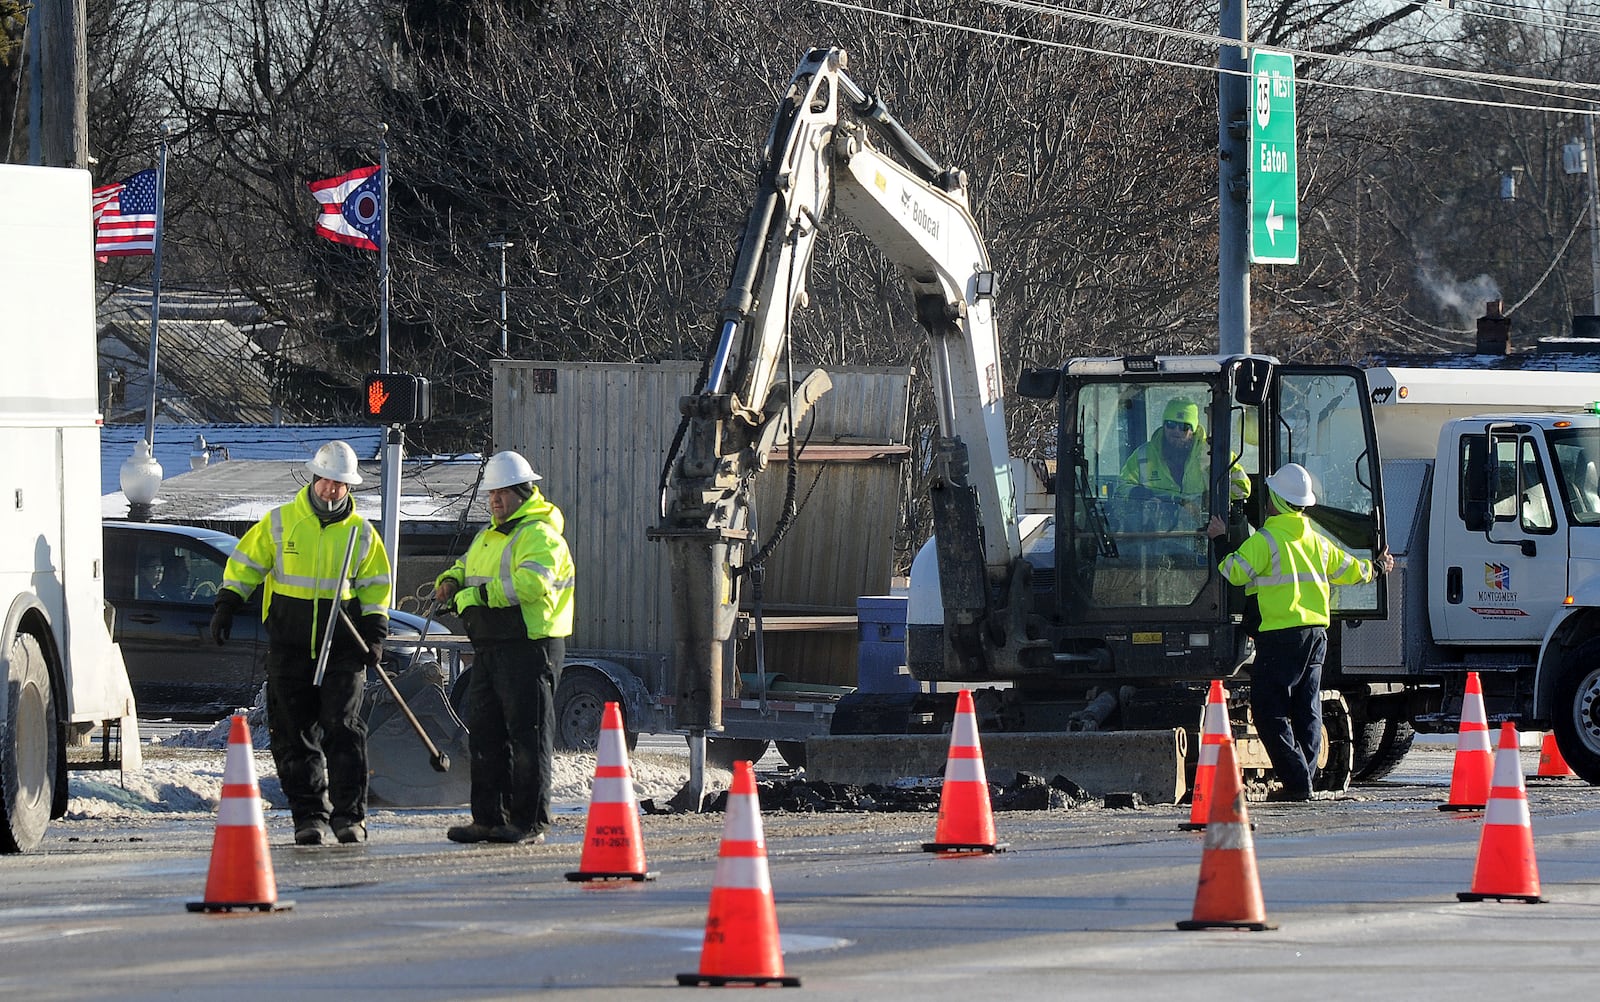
62, 71
502, 245
1233, 181
1594, 224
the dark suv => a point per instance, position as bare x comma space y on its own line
162, 579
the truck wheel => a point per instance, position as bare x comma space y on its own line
1337, 745
581, 700
28, 751
723, 752
1577, 711
1380, 745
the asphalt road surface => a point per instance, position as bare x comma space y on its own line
1083, 905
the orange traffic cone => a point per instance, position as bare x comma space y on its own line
613, 848
1506, 869
1474, 767
1213, 731
966, 819
741, 945
1552, 764
1229, 893
241, 870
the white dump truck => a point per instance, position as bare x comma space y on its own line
66, 702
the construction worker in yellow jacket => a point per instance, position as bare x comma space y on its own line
319, 741
513, 590
1290, 567
1174, 466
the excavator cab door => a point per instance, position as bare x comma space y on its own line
1321, 418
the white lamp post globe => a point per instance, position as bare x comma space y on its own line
140, 475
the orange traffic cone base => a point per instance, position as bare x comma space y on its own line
1189, 925
1462, 808
1531, 899
966, 847
723, 980
228, 906
577, 876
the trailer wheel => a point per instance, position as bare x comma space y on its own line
581, 700
1380, 745
1577, 711
28, 749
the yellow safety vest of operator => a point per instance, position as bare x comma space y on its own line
524, 563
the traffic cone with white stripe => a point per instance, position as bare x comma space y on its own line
241, 869
1552, 764
1474, 765
1506, 869
1229, 893
613, 847
966, 818
1213, 731
741, 945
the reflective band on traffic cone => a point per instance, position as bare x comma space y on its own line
966, 819
1213, 731
1474, 765
613, 848
241, 869
1552, 764
1229, 893
1506, 869
741, 944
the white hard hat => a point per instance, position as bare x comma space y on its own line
1293, 483
506, 469
336, 461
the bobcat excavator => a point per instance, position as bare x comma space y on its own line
1101, 612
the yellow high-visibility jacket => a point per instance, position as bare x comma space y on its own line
297, 558
517, 579
1291, 568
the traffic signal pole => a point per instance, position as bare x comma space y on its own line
1233, 184
394, 436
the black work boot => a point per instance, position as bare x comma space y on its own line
353, 833
469, 833
512, 834
312, 831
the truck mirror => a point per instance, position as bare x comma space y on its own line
1039, 384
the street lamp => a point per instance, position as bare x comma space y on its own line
502, 245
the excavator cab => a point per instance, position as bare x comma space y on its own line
1156, 449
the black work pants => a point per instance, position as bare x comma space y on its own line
1286, 700
510, 714
319, 741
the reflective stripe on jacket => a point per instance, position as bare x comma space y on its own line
297, 558
1291, 568
522, 564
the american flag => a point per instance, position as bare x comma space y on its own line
125, 216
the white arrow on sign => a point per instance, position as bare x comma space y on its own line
1274, 221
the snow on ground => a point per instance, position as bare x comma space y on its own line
182, 774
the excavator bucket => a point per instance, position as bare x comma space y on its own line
400, 769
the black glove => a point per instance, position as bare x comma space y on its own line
1141, 493
374, 654
223, 623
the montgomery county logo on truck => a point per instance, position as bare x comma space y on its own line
1499, 601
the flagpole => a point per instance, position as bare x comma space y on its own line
394, 437
155, 290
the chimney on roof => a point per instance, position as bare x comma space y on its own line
1494, 329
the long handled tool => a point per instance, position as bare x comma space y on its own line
338, 600
436, 758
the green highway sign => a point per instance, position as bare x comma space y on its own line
1274, 177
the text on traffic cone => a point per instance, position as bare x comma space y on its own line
966, 818
1474, 764
241, 869
613, 846
1506, 869
1229, 893
1214, 728
741, 942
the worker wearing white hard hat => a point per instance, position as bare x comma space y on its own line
1291, 569
319, 741
513, 590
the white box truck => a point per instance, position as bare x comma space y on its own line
65, 682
